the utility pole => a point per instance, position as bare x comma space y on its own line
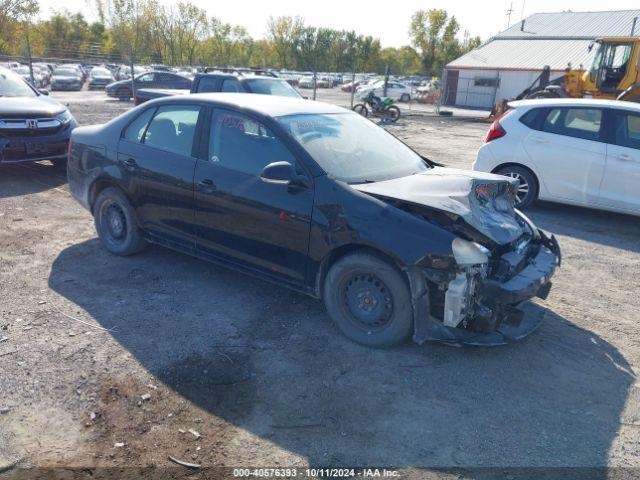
26, 30
509, 12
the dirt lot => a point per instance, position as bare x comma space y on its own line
263, 378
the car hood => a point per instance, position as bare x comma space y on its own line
41, 105
483, 200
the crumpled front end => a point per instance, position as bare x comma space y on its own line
487, 304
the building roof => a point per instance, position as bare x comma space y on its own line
585, 25
554, 39
526, 55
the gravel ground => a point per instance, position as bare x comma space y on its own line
116, 362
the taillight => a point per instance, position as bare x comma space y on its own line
495, 131
69, 145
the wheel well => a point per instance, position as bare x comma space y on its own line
98, 186
345, 250
519, 165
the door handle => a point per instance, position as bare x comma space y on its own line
206, 185
624, 157
130, 164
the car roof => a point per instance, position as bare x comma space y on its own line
266, 105
574, 102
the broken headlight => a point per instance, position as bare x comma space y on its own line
469, 253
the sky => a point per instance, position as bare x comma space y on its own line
387, 20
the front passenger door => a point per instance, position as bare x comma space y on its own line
241, 217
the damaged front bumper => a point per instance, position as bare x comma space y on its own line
497, 310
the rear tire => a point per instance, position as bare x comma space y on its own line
116, 223
393, 113
527, 192
369, 301
361, 109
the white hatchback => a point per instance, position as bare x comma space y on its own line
395, 90
574, 151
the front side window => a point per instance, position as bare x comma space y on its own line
353, 149
627, 130
240, 143
135, 130
172, 129
148, 78
574, 122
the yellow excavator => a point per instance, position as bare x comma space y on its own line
614, 74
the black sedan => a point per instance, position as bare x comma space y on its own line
321, 200
123, 88
32, 125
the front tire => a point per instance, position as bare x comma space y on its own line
527, 191
116, 223
405, 97
369, 301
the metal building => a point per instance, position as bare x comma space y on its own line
509, 62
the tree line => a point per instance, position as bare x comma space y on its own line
184, 34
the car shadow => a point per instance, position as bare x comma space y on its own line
26, 178
268, 362
606, 228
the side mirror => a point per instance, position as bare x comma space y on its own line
43, 91
278, 172
282, 173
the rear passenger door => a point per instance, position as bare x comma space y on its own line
156, 157
621, 183
239, 216
569, 153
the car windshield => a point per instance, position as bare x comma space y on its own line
11, 85
272, 87
65, 72
353, 149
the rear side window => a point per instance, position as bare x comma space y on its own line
135, 130
574, 122
230, 85
627, 130
173, 128
531, 118
208, 84
240, 143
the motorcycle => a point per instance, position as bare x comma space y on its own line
379, 108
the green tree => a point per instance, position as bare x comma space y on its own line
433, 33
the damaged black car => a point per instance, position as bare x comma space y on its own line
321, 200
